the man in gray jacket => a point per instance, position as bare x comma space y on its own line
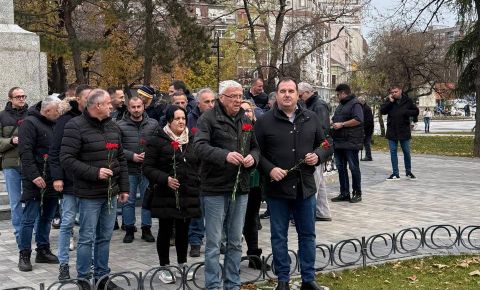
136, 126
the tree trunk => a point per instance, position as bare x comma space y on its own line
73, 42
58, 83
382, 125
147, 50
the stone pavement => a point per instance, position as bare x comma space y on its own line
447, 191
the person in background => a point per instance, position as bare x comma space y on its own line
10, 119
118, 103
178, 86
368, 126
427, 116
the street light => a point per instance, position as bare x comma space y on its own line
216, 45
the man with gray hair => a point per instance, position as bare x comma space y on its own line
92, 151
41, 200
196, 232
228, 151
314, 103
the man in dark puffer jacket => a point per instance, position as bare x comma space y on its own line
92, 151
63, 180
10, 119
136, 126
35, 135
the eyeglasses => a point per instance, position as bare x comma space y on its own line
21, 97
235, 97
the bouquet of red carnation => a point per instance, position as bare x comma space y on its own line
193, 130
112, 149
44, 176
246, 131
175, 146
141, 143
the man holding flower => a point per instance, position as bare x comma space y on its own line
228, 152
290, 139
91, 149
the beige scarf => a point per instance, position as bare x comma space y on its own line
182, 139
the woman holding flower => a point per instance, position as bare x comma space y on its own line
172, 169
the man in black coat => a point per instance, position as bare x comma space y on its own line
136, 126
63, 180
290, 139
92, 151
228, 151
35, 136
347, 134
178, 86
258, 96
368, 126
118, 102
314, 103
400, 110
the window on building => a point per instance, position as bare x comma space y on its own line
334, 80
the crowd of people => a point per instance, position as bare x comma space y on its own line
202, 166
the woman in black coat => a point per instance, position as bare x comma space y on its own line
174, 191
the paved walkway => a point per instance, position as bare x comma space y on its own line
447, 191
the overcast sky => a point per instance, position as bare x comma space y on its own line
379, 9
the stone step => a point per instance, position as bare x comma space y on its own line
4, 198
5, 213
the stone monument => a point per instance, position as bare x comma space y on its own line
21, 62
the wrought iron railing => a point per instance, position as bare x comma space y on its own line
356, 252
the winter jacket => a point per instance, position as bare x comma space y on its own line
348, 138
283, 144
9, 119
56, 169
34, 138
321, 108
260, 101
83, 153
368, 122
192, 117
134, 137
158, 166
398, 121
217, 135
192, 102
118, 114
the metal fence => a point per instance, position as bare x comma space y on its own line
356, 252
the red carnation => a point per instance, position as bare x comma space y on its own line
19, 122
193, 130
247, 127
45, 156
111, 146
325, 145
142, 141
175, 145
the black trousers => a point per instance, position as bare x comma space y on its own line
250, 228
165, 228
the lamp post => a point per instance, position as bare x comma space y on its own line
216, 45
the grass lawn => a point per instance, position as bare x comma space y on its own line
436, 145
440, 272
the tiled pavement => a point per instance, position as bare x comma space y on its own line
447, 191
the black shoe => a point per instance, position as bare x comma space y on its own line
24, 263
265, 215
129, 234
147, 234
356, 197
195, 251
116, 226
366, 159
83, 285
393, 177
45, 255
124, 227
56, 222
64, 272
282, 285
341, 197
110, 285
323, 219
411, 176
311, 286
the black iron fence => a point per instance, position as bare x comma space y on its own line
357, 252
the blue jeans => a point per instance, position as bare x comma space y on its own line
426, 120
31, 212
304, 214
140, 183
196, 231
218, 209
405, 144
69, 211
96, 227
13, 181
343, 158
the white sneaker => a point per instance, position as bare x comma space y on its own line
166, 277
